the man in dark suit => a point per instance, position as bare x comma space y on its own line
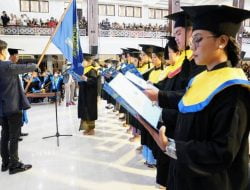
14, 58
12, 102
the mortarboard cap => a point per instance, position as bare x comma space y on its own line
135, 54
181, 19
219, 19
87, 56
107, 60
124, 51
13, 51
146, 48
132, 49
158, 49
114, 61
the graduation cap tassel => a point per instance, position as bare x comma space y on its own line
185, 38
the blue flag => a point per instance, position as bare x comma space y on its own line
68, 41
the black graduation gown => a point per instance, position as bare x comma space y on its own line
169, 116
87, 103
212, 144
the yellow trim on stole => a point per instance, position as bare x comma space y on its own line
207, 82
179, 60
87, 69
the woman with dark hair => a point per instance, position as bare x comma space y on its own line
210, 145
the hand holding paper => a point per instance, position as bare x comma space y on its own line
152, 94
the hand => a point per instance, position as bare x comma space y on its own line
84, 78
160, 138
152, 94
149, 82
163, 140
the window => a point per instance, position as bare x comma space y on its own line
157, 13
137, 12
44, 6
34, 6
164, 13
110, 10
151, 13
106, 10
129, 11
25, 6
122, 11
39, 6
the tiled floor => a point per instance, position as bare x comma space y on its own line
106, 161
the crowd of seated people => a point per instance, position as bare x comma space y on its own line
246, 68
44, 82
24, 20
106, 25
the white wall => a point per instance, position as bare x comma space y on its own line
107, 45
111, 45
36, 44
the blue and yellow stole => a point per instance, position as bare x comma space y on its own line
203, 87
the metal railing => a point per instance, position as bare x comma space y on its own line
24, 30
44, 31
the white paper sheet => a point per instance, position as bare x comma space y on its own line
141, 83
136, 99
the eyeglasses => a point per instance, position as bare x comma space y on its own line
197, 39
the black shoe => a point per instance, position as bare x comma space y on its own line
20, 139
20, 168
5, 167
24, 134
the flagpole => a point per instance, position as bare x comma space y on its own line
49, 42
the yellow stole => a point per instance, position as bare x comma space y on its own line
203, 87
87, 69
144, 69
176, 68
154, 76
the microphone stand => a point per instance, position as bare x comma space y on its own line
57, 135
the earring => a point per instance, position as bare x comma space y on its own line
220, 46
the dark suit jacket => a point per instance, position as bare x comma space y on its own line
12, 97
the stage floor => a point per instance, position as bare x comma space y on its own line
104, 161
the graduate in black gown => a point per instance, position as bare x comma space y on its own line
210, 145
87, 103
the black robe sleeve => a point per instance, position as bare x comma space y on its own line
170, 99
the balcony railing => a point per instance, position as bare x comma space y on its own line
43, 31
131, 34
22, 30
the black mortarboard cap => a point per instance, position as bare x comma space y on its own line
124, 51
219, 19
87, 56
132, 50
146, 48
135, 54
158, 49
107, 60
181, 19
114, 61
13, 51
